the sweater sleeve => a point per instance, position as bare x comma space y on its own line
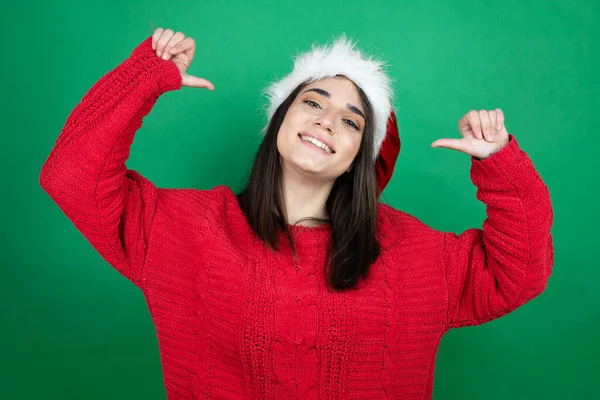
492, 271
85, 173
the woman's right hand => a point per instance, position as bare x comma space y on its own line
179, 49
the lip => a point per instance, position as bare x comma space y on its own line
320, 138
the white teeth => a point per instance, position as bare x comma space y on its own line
317, 143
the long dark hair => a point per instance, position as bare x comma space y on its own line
351, 205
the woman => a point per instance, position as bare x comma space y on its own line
302, 286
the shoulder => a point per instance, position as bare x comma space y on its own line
401, 225
386, 212
183, 201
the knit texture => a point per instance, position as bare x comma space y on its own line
236, 320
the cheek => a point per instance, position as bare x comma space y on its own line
291, 125
282, 131
285, 140
351, 146
281, 145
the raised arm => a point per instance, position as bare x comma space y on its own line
85, 173
494, 270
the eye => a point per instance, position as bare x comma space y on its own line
310, 102
352, 123
315, 104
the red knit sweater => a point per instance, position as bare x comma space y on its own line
235, 320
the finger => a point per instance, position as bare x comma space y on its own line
463, 124
156, 36
187, 46
177, 37
162, 42
454, 144
499, 119
492, 114
485, 125
193, 81
475, 124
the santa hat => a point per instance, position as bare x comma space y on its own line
342, 58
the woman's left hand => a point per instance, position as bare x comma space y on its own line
483, 134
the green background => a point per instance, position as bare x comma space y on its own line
73, 328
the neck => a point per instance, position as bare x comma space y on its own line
304, 196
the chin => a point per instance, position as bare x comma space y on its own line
305, 159
308, 165
315, 168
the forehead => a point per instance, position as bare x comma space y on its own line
341, 89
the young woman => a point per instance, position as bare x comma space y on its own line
302, 285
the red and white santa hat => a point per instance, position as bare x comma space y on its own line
341, 57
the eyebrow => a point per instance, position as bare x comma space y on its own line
349, 106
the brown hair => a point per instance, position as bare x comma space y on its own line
351, 205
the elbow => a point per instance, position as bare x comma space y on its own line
539, 275
50, 181
535, 276
44, 178
548, 262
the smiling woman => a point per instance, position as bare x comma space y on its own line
249, 303
295, 177
327, 120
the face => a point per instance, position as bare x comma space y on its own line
323, 128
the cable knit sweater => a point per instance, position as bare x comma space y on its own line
235, 320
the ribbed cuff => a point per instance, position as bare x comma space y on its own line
510, 166
170, 77
497, 162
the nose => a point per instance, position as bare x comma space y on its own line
325, 122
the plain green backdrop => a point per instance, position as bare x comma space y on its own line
73, 328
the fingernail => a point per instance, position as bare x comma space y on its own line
159, 53
165, 56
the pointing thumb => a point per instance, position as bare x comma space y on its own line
454, 144
193, 81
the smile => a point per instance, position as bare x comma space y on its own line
316, 143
